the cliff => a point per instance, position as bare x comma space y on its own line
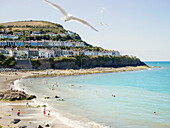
78, 62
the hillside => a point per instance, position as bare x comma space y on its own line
44, 27
20, 25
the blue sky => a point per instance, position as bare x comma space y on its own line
135, 27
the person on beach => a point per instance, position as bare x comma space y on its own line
44, 111
48, 113
12, 109
154, 114
27, 104
18, 113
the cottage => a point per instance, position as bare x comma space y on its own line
8, 36
51, 34
17, 33
21, 53
70, 33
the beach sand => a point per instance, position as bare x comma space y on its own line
33, 116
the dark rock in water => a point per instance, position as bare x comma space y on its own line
47, 125
57, 97
13, 95
47, 97
40, 126
15, 121
22, 126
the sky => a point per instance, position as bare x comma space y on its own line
139, 28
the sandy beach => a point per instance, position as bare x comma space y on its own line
32, 116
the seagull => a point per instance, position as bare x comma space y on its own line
68, 17
102, 24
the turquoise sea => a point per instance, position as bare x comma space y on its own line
90, 104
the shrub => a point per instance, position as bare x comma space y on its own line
35, 62
9, 62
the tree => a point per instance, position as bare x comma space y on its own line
2, 27
2, 57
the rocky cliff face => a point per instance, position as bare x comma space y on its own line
91, 62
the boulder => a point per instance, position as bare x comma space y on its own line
23, 126
13, 95
57, 97
15, 121
40, 126
47, 125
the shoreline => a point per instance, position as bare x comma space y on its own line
6, 77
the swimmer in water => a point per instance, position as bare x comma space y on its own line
113, 95
154, 114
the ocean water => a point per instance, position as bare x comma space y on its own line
90, 104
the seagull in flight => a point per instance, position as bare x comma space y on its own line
102, 24
68, 17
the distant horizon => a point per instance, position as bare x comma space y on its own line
157, 61
137, 28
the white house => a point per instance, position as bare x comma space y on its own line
8, 36
20, 53
76, 53
66, 52
89, 53
51, 34
17, 33
61, 34
70, 33
36, 33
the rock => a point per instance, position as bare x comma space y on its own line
15, 121
13, 95
47, 97
40, 126
23, 126
57, 97
47, 125
60, 99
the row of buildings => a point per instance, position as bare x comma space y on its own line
44, 43
47, 53
34, 33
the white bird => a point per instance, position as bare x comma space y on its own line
69, 17
102, 24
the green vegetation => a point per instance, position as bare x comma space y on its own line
44, 106
35, 62
7, 115
65, 59
7, 62
2, 57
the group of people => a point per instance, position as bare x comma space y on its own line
44, 112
